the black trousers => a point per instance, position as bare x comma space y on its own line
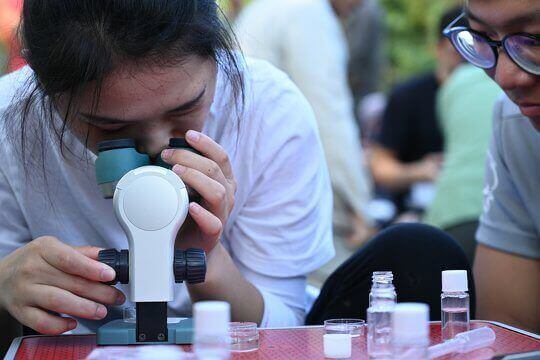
415, 253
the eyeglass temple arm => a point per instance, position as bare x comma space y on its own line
454, 22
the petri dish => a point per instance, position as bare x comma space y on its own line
353, 327
244, 336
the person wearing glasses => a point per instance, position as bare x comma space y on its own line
503, 39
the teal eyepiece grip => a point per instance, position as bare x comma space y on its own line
115, 159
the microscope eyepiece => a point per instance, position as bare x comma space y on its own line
116, 144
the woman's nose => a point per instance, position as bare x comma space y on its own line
156, 137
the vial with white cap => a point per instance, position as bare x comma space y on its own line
410, 331
211, 338
455, 311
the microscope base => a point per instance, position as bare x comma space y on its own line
120, 332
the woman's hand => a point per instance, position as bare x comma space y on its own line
211, 176
46, 276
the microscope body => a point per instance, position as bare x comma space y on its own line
151, 204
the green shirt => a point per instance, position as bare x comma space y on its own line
465, 105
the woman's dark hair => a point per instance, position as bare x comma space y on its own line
69, 43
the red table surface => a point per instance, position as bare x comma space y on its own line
295, 343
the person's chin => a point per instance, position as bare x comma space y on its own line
535, 123
533, 113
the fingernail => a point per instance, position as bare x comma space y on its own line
193, 135
166, 154
101, 312
179, 169
120, 299
72, 324
194, 208
107, 274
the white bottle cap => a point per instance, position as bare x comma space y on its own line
211, 318
337, 346
410, 323
454, 281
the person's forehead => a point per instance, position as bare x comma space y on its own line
505, 14
140, 94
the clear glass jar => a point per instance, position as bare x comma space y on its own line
382, 300
455, 314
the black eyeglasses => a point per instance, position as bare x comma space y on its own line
481, 51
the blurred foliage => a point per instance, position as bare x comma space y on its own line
412, 28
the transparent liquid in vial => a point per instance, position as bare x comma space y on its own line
379, 332
454, 321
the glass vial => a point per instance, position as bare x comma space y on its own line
455, 311
382, 300
211, 338
410, 331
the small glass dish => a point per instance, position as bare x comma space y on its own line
353, 327
244, 336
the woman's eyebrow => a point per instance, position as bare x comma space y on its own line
95, 119
190, 104
519, 20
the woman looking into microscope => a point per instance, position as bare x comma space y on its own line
150, 71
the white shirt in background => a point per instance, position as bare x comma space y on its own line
304, 38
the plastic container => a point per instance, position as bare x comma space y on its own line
244, 336
353, 327
410, 331
211, 338
455, 311
464, 342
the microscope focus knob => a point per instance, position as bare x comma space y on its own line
190, 266
119, 261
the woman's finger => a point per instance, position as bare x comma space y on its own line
69, 260
101, 293
43, 322
204, 165
212, 150
63, 302
208, 223
89, 251
214, 193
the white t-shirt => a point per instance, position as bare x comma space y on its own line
278, 231
307, 42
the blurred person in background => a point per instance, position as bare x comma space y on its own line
232, 8
304, 38
465, 107
408, 148
503, 38
366, 36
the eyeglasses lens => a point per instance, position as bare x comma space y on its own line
525, 51
474, 49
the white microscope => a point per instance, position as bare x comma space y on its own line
151, 204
